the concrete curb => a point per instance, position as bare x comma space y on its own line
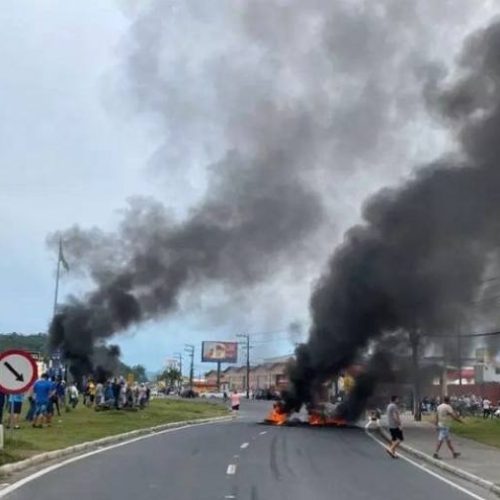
92, 445
472, 478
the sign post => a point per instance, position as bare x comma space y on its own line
218, 376
214, 351
18, 372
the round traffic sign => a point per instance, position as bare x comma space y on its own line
18, 371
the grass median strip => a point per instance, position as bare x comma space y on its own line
85, 424
485, 431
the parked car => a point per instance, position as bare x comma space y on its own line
189, 393
212, 395
267, 394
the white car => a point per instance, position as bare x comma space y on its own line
212, 395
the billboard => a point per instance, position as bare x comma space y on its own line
223, 352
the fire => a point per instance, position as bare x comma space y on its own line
316, 419
277, 415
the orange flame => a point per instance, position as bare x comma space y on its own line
316, 418
276, 416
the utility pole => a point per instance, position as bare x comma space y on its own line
189, 348
459, 354
178, 355
218, 376
247, 347
415, 344
58, 276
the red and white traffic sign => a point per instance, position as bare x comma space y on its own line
18, 371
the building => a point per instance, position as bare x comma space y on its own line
487, 368
268, 375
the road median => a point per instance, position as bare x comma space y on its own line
84, 430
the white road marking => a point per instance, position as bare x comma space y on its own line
262, 433
236, 456
244, 445
230, 496
432, 473
42, 472
231, 469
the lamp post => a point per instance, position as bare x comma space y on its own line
247, 347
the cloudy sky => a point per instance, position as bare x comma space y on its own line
104, 101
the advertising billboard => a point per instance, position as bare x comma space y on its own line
214, 351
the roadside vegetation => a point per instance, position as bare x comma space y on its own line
85, 424
486, 431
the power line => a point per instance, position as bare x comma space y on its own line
485, 299
465, 335
270, 332
270, 341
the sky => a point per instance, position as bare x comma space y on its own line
104, 101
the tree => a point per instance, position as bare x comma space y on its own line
139, 373
171, 376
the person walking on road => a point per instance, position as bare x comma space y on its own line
394, 422
444, 416
235, 403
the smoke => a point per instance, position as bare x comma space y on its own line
352, 407
418, 259
270, 104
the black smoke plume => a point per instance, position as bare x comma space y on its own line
285, 101
417, 261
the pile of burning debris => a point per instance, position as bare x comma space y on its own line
319, 415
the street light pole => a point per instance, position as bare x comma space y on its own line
178, 355
247, 347
189, 348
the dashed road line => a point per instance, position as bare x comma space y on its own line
231, 469
244, 445
262, 433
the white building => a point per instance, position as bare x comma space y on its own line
487, 368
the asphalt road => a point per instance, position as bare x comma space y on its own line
241, 460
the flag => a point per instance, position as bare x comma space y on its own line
62, 260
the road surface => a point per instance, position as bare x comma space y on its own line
241, 460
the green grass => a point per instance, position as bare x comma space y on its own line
483, 431
84, 424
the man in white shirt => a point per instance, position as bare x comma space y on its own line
445, 414
394, 424
486, 408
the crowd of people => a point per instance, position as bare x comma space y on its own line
115, 393
465, 405
49, 396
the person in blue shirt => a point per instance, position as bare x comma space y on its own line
42, 390
2, 404
15, 407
